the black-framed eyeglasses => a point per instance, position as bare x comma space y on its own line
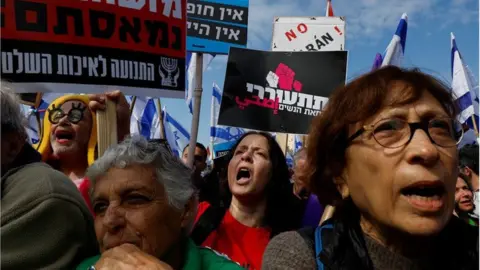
396, 132
74, 116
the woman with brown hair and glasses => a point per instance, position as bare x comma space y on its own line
383, 153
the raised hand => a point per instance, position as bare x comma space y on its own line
286, 76
272, 79
97, 102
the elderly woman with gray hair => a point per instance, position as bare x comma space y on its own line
313, 209
144, 204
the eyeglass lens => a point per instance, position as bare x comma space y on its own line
74, 116
392, 133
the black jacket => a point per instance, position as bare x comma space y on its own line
344, 246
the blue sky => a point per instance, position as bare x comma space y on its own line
369, 29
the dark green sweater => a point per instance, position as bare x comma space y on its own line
45, 223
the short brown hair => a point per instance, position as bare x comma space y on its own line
355, 102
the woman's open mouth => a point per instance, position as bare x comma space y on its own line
63, 136
427, 196
243, 176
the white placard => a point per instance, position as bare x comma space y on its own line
308, 34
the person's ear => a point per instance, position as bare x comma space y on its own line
189, 213
12, 144
467, 171
342, 186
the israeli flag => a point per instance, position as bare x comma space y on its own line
33, 125
222, 138
396, 48
216, 101
289, 159
32, 128
191, 64
377, 63
176, 135
144, 119
474, 90
298, 143
462, 88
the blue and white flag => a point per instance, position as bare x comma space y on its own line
474, 90
377, 63
462, 88
222, 138
33, 126
289, 159
298, 143
144, 119
191, 64
215, 110
396, 49
176, 135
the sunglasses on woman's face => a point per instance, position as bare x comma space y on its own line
74, 116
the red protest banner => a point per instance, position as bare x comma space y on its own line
124, 30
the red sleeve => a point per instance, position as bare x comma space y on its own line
84, 188
201, 209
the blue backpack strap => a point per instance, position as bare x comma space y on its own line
319, 244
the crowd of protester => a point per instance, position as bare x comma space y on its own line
380, 185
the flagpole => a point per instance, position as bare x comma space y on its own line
160, 118
197, 98
212, 124
132, 104
327, 14
39, 122
475, 128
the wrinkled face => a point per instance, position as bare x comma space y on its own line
299, 185
299, 167
408, 189
131, 207
200, 160
463, 197
66, 137
250, 168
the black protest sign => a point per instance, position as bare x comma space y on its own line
279, 91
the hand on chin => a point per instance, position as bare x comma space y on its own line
129, 257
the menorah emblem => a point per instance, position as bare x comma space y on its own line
169, 65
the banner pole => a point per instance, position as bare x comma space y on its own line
213, 124
132, 104
160, 118
39, 122
106, 127
475, 128
197, 98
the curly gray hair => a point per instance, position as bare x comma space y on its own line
169, 169
12, 117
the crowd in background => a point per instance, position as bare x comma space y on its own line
382, 158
